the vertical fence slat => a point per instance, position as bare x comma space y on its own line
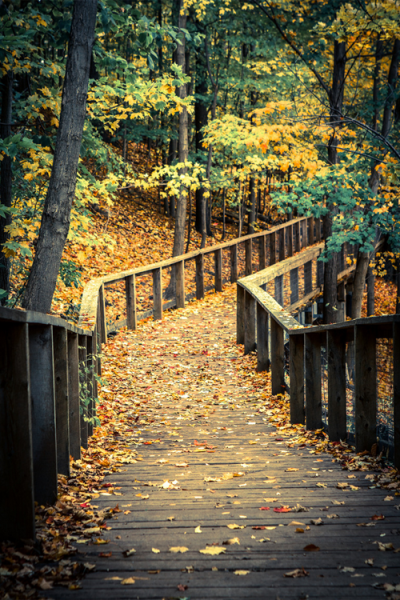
307, 277
180, 284
200, 276
240, 315
60, 340
157, 293
304, 235
272, 248
279, 289
336, 350
218, 270
365, 387
311, 235
277, 358
83, 389
289, 230
249, 256
294, 285
262, 255
17, 520
90, 382
396, 392
262, 339
102, 315
312, 351
296, 370
130, 290
296, 235
249, 323
234, 263
73, 392
43, 413
282, 244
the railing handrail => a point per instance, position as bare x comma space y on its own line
37, 318
87, 315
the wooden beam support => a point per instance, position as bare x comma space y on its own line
240, 315
43, 413
218, 270
249, 257
130, 291
249, 323
312, 350
296, 235
289, 230
83, 389
60, 340
200, 276
336, 350
157, 293
17, 509
277, 358
102, 315
180, 285
262, 339
262, 253
365, 387
234, 263
282, 244
73, 393
272, 248
296, 370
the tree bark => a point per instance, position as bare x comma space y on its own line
5, 179
336, 104
252, 211
180, 221
57, 208
201, 119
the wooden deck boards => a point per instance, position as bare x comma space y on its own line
168, 518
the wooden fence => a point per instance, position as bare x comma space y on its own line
48, 367
263, 324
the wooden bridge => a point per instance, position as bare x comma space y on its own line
228, 506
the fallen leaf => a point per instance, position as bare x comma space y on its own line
311, 548
317, 521
234, 526
129, 552
297, 573
231, 541
198, 529
240, 572
213, 550
155, 550
128, 581
177, 549
282, 509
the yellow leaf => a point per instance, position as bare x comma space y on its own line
155, 550
234, 526
239, 572
213, 550
128, 581
177, 549
198, 529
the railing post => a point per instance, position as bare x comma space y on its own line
90, 343
130, 291
180, 284
304, 238
218, 270
279, 289
249, 323
262, 338
200, 276
234, 263
157, 292
311, 230
294, 285
43, 413
62, 398
307, 277
240, 315
296, 235
396, 393
73, 392
336, 351
277, 358
249, 256
318, 230
83, 389
272, 248
296, 371
102, 315
289, 230
365, 387
17, 510
262, 257
312, 350
282, 244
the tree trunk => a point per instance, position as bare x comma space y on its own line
336, 104
359, 283
57, 208
252, 201
180, 221
201, 119
5, 179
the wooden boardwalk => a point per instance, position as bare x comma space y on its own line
207, 417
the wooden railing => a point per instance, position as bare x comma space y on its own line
263, 324
274, 245
47, 367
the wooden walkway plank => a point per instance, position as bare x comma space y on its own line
207, 434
